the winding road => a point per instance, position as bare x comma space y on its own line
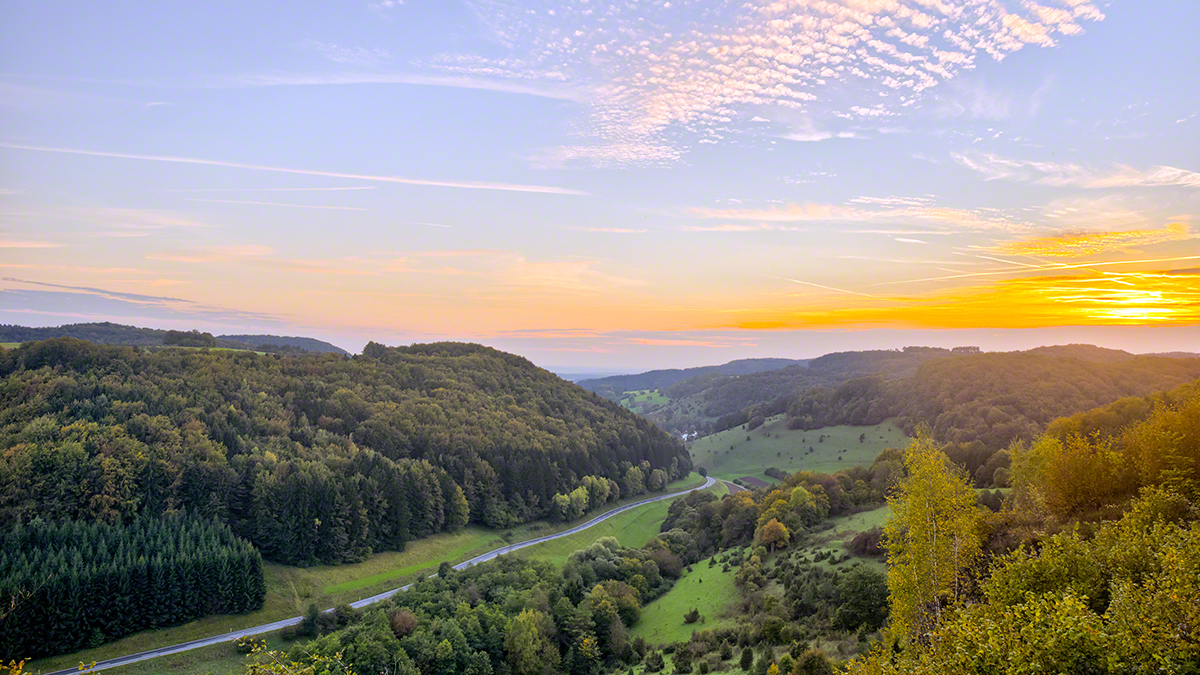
284, 623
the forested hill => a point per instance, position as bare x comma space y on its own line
717, 401
305, 343
108, 333
314, 458
990, 398
611, 387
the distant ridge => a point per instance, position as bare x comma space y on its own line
108, 333
306, 343
660, 379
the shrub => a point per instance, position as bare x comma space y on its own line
692, 617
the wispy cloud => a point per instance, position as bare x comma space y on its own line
741, 227
472, 185
994, 167
214, 253
873, 210
355, 56
291, 206
299, 189
1081, 244
609, 230
19, 243
528, 88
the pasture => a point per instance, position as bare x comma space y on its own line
736, 452
707, 589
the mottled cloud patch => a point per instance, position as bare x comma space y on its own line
1081, 244
663, 76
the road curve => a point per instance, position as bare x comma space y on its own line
284, 623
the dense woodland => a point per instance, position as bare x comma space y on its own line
611, 387
117, 334
312, 458
714, 401
75, 585
1067, 575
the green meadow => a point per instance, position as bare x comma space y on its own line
707, 589
736, 452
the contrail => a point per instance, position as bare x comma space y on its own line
469, 185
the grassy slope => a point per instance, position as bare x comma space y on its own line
634, 529
843, 531
774, 445
291, 589
705, 588
635, 400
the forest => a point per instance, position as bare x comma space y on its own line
1064, 574
313, 458
73, 585
118, 334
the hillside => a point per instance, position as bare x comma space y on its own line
305, 343
611, 387
715, 401
108, 333
314, 458
993, 398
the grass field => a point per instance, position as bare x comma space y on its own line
291, 589
635, 400
10, 345
730, 455
705, 588
844, 529
634, 529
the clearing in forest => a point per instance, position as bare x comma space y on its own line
737, 452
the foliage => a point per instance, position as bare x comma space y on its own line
934, 533
317, 458
73, 582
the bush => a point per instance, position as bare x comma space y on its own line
654, 662
692, 616
747, 660
867, 544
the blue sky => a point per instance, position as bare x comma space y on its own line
608, 184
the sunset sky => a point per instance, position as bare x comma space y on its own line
608, 184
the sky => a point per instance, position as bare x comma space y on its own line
598, 184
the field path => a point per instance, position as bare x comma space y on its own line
284, 623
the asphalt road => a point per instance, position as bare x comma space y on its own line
284, 623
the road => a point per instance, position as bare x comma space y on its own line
284, 623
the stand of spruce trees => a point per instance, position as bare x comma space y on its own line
67, 586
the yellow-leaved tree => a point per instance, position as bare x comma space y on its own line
933, 534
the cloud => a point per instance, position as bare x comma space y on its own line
657, 78
994, 167
100, 304
356, 56
300, 189
472, 185
527, 88
920, 209
1081, 244
789, 214
662, 342
732, 227
18, 243
212, 254
292, 206
610, 230
909, 241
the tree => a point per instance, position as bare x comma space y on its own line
529, 644
747, 660
932, 535
775, 534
